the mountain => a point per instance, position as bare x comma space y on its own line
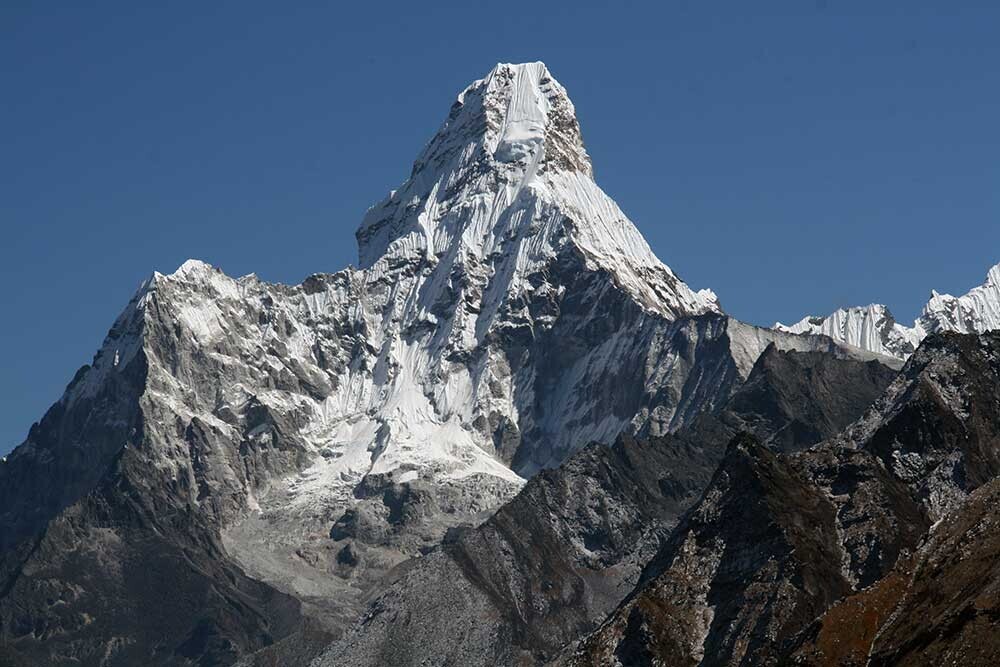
552, 562
937, 606
778, 540
873, 327
283, 448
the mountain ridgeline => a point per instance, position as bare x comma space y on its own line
874, 328
511, 436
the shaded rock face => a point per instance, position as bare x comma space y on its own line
551, 563
125, 577
68, 451
541, 568
110, 550
794, 399
722, 577
779, 540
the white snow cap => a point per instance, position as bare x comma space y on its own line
513, 113
192, 267
537, 115
507, 173
871, 328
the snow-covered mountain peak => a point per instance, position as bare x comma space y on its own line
503, 188
506, 313
503, 132
870, 327
193, 266
530, 116
515, 114
192, 271
976, 311
873, 327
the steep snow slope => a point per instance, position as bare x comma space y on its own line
498, 193
874, 328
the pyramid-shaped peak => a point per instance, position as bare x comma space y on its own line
505, 187
520, 83
517, 114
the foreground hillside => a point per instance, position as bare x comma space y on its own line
838, 554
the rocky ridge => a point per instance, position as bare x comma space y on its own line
551, 563
779, 540
874, 328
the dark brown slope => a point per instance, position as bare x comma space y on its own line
950, 611
552, 562
777, 540
939, 606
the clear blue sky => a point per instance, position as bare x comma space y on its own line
792, 156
